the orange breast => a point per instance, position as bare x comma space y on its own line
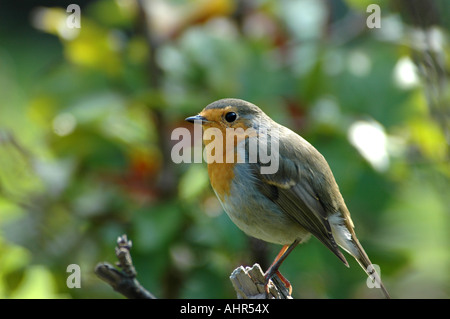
221, 175
220, 172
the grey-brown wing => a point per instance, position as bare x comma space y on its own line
296, 194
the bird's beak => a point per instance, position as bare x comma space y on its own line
194, 118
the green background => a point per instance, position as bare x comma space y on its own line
86, 116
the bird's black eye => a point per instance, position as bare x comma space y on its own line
230, 117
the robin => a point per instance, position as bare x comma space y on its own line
299, 198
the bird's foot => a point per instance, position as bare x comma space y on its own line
268, 275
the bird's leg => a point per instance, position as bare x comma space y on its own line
273, 269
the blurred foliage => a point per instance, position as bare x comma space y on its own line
86, 116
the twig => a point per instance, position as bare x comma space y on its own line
249, 284
123, 281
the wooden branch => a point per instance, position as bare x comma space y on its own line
123, 281
249, 284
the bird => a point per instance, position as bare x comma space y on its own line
286, 205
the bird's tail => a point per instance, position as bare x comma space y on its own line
346, 238
364, 261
